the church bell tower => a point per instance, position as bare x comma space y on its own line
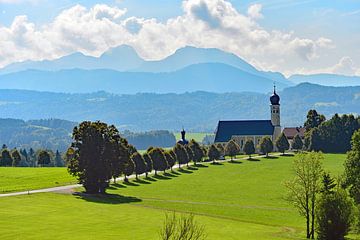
275, 114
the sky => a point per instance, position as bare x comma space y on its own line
288, 36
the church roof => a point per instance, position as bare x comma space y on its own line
227, 129
290, 133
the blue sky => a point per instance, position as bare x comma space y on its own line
312, 20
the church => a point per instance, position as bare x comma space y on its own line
242, 130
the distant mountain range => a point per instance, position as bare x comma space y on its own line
196, 111
120, 70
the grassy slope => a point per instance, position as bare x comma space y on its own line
22, 179
234, 201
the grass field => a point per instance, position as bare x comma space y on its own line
196, 136
233, 200
23, 179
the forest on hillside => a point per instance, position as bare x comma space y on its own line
196, 111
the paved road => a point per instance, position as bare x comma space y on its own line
68, 187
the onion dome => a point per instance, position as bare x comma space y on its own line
275, 99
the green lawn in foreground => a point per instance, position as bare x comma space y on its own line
234, 201
23, 179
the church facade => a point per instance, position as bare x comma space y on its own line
242, 130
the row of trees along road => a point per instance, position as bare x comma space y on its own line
266, 146
98, 153
24, 158
329, 206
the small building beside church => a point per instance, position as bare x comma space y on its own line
242, 130
291, 132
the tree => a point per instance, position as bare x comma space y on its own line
352, 168
140, 165
183, 228
6, 159
297, 143
190, 154
149, 164
59, 162
282, 143
249, 148
129, 168
170, 159
305, 186
213, 153
197, 150
181, 154
95, 147
43, 158
266, 146
118, 153
32, 157
16, 158
232, 149
313, 120
333, 212
221, 148
158, 159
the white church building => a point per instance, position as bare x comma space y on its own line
242, 130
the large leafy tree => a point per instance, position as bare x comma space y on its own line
96, 150
6, 159
140, 165
297, 143
170, 159
44, 158
313, 119
129, 168
158, 159
249, 148
213, 153
333, 135
16, 158
232, 149
149, 163
334, 211
304, 188
282, 143
182, 156
352, 168
190, 154
198, 153
266, 145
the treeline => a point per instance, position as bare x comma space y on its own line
30, 158
54, 134
330, 136
144, 140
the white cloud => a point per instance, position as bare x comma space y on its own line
205, 23
345, 66
254, 11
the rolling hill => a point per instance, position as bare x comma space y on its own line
196, 111
212, 77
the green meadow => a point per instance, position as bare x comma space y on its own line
242, 200
23, 179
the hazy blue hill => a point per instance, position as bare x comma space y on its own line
121, 58
212, 77
327, 79
197, 111
187, 56
125, 59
